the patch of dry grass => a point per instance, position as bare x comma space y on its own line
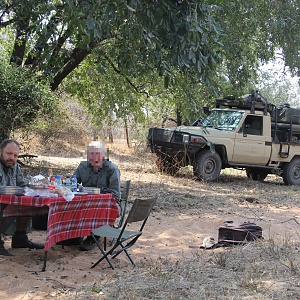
245, 272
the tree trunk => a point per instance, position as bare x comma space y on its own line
20, 43
4, 135
179, 117
109, 130
110, 135
127, 135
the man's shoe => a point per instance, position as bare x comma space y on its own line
88, 244
69, 242
4, 252
22, 241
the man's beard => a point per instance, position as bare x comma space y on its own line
5, 163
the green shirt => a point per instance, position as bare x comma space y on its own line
107, 176
11, 176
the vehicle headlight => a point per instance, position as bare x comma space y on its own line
197, 139
185, 138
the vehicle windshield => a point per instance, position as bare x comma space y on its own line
223, 119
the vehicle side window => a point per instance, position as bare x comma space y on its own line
252, 125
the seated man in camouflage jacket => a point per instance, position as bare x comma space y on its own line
11, 175
98, 172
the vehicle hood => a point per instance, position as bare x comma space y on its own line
195, 130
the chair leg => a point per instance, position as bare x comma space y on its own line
45, 261
105, 255
112, 242
119, 226
129, 257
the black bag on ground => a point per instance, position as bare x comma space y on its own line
233, 234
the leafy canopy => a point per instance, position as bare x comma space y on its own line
56, 36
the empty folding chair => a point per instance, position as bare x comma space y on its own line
139, 213
124, 187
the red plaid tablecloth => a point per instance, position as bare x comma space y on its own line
66, 220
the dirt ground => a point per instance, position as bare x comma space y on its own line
170, 264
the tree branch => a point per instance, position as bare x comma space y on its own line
7, 23
119, 72
39, 45
77, 56
61, 40
20, 43
6, 11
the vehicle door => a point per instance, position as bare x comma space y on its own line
250, 142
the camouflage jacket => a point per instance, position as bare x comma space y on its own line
12, 176
107, 176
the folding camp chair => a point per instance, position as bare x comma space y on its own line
139, 213
124, 187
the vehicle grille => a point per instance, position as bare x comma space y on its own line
177, 138
160, 134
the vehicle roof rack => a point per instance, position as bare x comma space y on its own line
252, 102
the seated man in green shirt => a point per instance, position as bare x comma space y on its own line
11, 175
98, 172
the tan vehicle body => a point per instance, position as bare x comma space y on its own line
237, 145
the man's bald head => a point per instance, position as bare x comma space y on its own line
95, 154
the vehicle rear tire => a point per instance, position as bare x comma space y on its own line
256, 174
291, 172
207, 165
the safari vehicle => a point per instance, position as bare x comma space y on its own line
248, 133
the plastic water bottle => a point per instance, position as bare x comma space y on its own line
74, 184
58, 180
68, 183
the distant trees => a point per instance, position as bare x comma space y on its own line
279, 88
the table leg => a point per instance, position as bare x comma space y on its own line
46, 252
45, 261
1, 216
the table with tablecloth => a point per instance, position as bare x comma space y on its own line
66, 220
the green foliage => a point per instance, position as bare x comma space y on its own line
22, 98
56, 36
110, 95
169, 56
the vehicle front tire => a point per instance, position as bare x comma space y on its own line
291, 172
207, 165
256, 174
